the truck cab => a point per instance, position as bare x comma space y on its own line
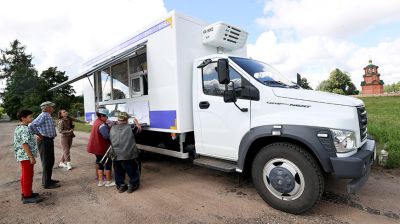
286, 137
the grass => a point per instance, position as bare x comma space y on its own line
384, 125
81, 126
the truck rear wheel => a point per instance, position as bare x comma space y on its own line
287, 177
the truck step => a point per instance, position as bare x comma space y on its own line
217, 164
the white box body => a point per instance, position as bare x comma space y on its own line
172, 44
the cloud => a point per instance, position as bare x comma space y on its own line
313, 37
67, 33
339, 18
385, 55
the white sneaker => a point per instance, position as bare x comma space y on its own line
69, 167
100, 183
62, 165
109, 184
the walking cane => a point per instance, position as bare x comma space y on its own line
105, 155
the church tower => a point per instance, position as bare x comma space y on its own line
372, 83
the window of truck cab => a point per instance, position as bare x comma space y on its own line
262, 72
211, 85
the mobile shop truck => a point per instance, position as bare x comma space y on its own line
199, 97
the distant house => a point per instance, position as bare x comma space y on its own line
372, 83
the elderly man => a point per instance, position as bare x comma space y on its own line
43, 126
126, 159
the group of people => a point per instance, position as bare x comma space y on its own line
118, 142
112, 143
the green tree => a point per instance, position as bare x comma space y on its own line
322, 86
25, 88
21, 79
304, 84
392, 88
53, 77
21, 91
63, 97
13, 59
75, 107
338, 82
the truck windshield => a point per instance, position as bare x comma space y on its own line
263, 72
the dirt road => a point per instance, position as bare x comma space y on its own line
175, 191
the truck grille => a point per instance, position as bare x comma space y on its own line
363, 121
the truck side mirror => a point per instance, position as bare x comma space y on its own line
223, 71
230, 96
298, 79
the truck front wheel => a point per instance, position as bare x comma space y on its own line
287, 177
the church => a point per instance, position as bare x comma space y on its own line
372, 83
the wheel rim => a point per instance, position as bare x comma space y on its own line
283, 179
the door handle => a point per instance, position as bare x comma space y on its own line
204, 105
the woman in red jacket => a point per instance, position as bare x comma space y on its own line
99, 142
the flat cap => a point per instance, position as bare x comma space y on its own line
123, 116
47, 104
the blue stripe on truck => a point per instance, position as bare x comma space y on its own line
164, 119
89, 116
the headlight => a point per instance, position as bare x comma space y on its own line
345, 141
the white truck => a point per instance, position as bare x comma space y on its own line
199, 97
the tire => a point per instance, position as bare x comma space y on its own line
287, 177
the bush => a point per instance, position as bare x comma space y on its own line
75, 107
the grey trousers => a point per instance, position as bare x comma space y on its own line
46, 150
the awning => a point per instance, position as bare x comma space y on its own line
76, 78
105, 63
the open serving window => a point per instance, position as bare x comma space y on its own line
122, 86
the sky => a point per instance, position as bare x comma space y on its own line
310, 37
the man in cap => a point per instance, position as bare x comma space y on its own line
99, 142
125, 152
43, 126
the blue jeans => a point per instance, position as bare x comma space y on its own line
130, 167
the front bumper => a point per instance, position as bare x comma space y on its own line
356, 167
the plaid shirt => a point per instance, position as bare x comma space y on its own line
44, 125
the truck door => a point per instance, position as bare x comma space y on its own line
222, 125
